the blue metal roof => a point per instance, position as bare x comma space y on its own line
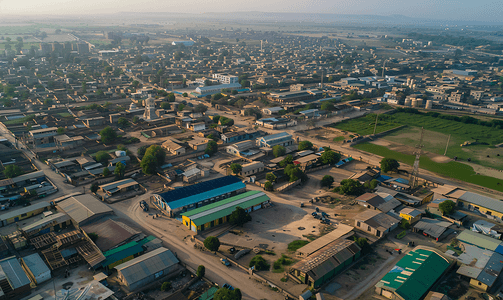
199, 192
276, 136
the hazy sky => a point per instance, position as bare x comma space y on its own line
468, 10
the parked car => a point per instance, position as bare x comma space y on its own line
228, 286
225, 262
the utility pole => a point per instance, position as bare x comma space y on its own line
415, 168
375, 125
447, 146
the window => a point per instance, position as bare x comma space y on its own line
378, 233
358, 224
488, 213
24, 215
368, 228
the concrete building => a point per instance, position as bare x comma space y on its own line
211, 215
214, 89
375, 222
252, 168
412, 215
43, 136
191, 197
24, 213
484, 273
84, 209
173, 147
242, 149
226, 78
35, 268
282, 138
147, 268
239, 136
149, 113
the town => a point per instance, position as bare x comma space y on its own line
211, 159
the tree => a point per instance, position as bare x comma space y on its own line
102, 157
48, 102
286, 161
43, 35
305, 145
404, 224
181, 106
123, 122
239, 217
119, 171
211, 148
185, 95
212, 137
212, 243
141, 151
171, 97
165, 105
236, 168
224, 121
270, 177
327, 181
148, 164
136, 119
106, 172
294, 173
94, 187
389, 164
330, 157
363, 243
108, 135
12, 171
158, 152
84, 87
226, 294
201, 270
166, 286
278, 151
268, 186
200, 108
371, 184
60, 130
350, 187
447, 207
259, 263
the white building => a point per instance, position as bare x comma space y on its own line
213, 89
226, 78
185, 43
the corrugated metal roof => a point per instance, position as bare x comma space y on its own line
24, 210
80, 208
59, 217
479, 240
225, 207
326, 239
147, 264
14, 272
115, 184
23, 177
487, 202
202, 191
36, 265
414, 274
110, 233
121, 252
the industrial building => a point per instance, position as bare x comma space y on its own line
111, 233
24, 213
35, 268
191, 197
84, 209
213, 89
375, 222
217, 213
413, 276
13, 280
48, 223
484, 272
147, 268
322, 265
282, 139
115, 187
122, 254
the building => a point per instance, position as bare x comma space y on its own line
13, 280
10, 185
484, 273
252, 168
480, 240
120, 186
327, 262
147, 268
410, 214
282, 139
310, 113
49, 222
24, 213
149, 113
375, 222
83, 48
43, 136
173, 147
94, 122
483, 204
276, 123
121, 254
84, 209
342, 231
433, 228
214, 89
35, 268
226, 78
111, 233
272, 110
414, 275
211, 215
191, 197
200, 126
66, 142
242, 149
185, 43
238, 136
198, 144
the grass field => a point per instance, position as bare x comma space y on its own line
437, 131
451, 169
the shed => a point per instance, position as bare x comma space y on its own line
24, 213
35, 268
342, 230
84, 209
111, 233
147, 268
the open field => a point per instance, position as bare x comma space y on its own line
450, 169
436, 135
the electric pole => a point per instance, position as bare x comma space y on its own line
447, 146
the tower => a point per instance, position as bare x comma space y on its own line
415, 167
149, 113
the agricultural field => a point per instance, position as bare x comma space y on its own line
483, 139
450, 169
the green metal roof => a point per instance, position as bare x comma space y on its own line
479, 240
222, 208
121, 252
209, 294
147, 239
414, 274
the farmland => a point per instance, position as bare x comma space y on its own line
451, 169
437, 130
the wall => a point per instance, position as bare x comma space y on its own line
480, 208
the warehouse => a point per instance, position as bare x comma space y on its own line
51, 222
24, 213
190, 197
282, 139
84, 209
217, 213
342, 231
413, 276
111, 233
124, 185
35, 268
121, 254
13, 280
147, 268
324, 264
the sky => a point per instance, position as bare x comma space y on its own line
465, 10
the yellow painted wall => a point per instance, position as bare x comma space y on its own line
479, 285
120, 261
28, 215
483, 209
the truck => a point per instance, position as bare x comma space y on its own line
144, 205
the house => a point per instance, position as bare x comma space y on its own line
433, 228
43, 136
282, 139
410, 214
480, 240
310, 113
484, 273
147, 268
376, 202
198, 144
252, 168
200, 126
66, 142
173, 147
375, 222
414, 275
243, 149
